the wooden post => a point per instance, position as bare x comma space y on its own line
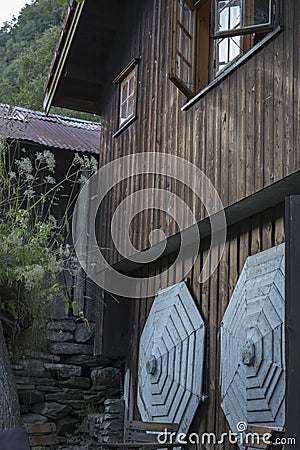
292, 226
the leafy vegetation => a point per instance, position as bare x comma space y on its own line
34, 253
27, 46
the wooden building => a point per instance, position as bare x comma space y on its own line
215, 83
34, 131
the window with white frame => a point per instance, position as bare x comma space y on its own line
127, 82
127, 97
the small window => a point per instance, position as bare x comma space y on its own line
209, 35
127, 97
127, 82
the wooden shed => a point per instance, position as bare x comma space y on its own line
215, 83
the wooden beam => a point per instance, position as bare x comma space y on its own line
292, 329
254, 204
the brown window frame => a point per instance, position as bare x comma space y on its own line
130, 70
174, 48
244, 29
207, 38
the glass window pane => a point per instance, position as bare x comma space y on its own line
179, 6
130, 108
257, 12
124, 90
178, 66
223, 46
131, 85
179, 38
234, 49
223, 20
186, 73
186, 47
127, 97
235, 17
228, 14
187, 18
123, 112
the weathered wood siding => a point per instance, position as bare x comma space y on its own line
244, 134
249, 237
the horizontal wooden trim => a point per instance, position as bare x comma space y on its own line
126, 70
181, 85
263, 430
124, 126
231, 69
37, 441
150, 426
254, 204
242, 31
32, 428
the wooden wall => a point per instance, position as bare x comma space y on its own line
250, 236
244, 134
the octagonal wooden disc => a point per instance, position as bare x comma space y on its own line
253, 344
171, 359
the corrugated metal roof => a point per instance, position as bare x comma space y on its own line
49, 130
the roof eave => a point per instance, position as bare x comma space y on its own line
59, 60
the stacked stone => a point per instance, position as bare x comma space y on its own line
107, 426
68, 385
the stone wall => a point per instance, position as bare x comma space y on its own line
71, 387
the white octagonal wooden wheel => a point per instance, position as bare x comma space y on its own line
253, 344
171, 359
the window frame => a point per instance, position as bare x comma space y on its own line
131, 68
173, 73
205, 55
244, 29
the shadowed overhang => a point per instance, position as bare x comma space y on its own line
77, 73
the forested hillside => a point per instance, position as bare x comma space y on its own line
27, 46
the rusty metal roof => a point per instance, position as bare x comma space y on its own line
49, 130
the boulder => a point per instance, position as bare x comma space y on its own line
108, 376
46, 380
83, 334
76, 382
33, 366
53, 410
66, 425
31, 396
41, 355
60, 336
45, 388
62, 325
114, 406
33, 418
63, 370
86, 360
64, 394
69, 348
77, 404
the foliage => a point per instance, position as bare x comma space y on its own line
23, 78
33, 244
27, 46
